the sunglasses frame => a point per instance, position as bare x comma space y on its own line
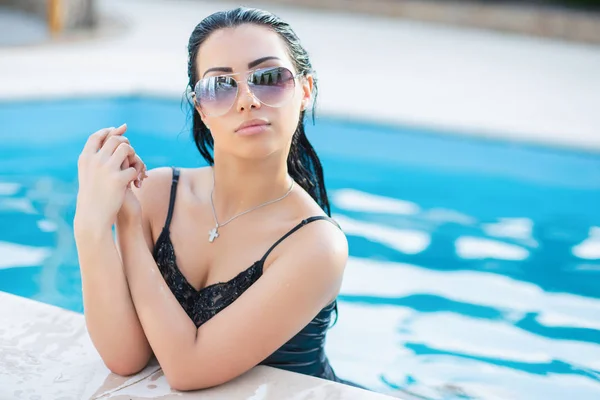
249, 89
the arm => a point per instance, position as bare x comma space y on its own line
110, 315
295, 287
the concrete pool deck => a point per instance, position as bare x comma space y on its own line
463, 81
46, 353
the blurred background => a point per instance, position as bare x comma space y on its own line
461, 148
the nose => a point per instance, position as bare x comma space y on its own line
246, 99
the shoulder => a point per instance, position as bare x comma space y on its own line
319, 235
318, 241
324, 238
155, 188
154, 195
319, 249
159, 180
328, 248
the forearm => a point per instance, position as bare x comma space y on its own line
168, 328
110, 315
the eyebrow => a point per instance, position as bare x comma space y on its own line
251, 64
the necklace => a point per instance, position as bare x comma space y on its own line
214, 232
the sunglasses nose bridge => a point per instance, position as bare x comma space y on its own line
244, 85
245, 92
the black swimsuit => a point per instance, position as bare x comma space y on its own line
304, 353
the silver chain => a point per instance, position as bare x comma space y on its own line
214, 232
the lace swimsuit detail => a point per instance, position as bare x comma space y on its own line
304, 353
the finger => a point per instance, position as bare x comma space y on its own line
116, 132
128, 175
144, 170
140, 167
125, 164
123, 151
137, 163
120, 130
110, 146
95, 141
128, 162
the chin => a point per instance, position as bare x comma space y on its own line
258, 150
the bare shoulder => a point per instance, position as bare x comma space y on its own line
318, 249
324, 238
315, 256
154, 193
326, 232
318, 242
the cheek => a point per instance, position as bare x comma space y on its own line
289, 117
295, 105
217, 124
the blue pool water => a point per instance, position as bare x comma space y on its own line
474, 269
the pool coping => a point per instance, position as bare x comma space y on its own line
46, 353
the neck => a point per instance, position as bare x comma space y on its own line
242, 184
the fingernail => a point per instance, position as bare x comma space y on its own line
111, 128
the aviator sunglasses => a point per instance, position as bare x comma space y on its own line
272, 86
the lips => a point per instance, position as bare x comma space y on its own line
253, 124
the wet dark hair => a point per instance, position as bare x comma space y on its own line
303, 163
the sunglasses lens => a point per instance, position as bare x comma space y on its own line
215, 95
272, 86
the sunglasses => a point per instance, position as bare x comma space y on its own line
272, 86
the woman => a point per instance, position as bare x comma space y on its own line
224, 267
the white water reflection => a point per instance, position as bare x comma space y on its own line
432, 373
409, 241
17, 255
413, 241
515, 228
445, 215
364, 343
478, 248
389, 279
496, 339
355, 200
19, 205
47, 225
589, 249
367, 343
9, 188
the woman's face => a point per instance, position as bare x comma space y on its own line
237, 51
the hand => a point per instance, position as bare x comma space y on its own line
107, 166
131, 210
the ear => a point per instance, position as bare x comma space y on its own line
307, 91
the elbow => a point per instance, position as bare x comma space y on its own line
182, 383
126, 362
125, 367
123, 370
185, 381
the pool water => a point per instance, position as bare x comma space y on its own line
474, 269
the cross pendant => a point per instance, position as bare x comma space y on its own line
213, 234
